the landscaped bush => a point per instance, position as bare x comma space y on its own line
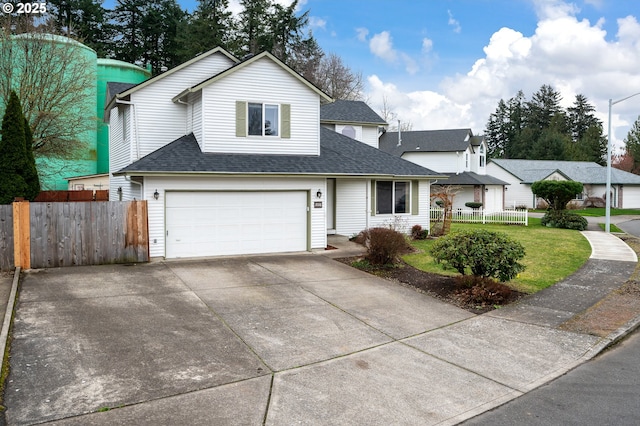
481, 291
473, 205
384, 246
564, 219
485, 253
417, 233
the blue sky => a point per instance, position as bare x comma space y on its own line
447, 63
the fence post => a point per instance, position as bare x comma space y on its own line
21, 235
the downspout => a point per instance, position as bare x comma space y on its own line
135, 124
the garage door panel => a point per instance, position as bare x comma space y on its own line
227, 223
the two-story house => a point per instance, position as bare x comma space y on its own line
232, 159
456, 153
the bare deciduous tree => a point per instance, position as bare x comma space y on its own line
391, 117
337, 80
55, 79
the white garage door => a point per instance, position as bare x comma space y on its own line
227, 223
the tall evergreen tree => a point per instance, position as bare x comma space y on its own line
253, 34
587, 142
632, 143
210, 25
85, 20
128, 16
503, 131
30, 172
13, 157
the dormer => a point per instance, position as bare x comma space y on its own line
259, 106
354, 119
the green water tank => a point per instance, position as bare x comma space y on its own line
51, 55
111, 70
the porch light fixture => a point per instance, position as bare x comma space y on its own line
319, 194
156, 195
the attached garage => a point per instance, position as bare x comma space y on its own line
215, 223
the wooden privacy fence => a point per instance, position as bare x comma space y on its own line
6, 237
79, 233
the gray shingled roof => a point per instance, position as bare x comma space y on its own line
426, 140
339, 155
342, 111
529, 171
471, 178
115, 87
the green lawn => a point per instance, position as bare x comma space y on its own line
551, 254
599, 211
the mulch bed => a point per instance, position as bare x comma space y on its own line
477, 299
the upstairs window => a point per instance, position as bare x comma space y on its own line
264, 119
392, 197
483, 157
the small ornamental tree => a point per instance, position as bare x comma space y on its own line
486, 254
557, 193
13, 157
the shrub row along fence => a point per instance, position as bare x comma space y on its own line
511, 217
45, 235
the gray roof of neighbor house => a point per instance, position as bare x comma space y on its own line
471, 178
529, 171
426, 141
339, 155
341, 111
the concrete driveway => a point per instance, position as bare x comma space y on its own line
221, 339
254, 340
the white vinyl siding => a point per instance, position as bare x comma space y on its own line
370, 135
441, 162
195, 101
353, 207
120, 154
267, 83
161, 121
156, 208
516, 194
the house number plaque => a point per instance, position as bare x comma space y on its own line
317, 204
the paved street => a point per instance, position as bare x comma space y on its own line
603, 391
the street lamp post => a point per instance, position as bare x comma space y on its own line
607, 222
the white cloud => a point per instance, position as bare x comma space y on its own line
381, 45
427, 45
315, 22
362, 33
454, 23
574, 56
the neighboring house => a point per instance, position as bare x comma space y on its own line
625, 187
456, 153
232, 160
354, 119
92, 182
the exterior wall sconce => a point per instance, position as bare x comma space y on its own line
319, 194
156, 195
119, 193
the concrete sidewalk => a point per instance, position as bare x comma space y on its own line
283, 340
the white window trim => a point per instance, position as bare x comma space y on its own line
264, 104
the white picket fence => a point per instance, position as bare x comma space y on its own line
511, 217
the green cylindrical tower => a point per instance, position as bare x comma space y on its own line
55, 77
111, 70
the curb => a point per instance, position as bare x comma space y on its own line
6, 324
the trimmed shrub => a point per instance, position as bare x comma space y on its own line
557, 193
384, 246
564, 219
417, 233
473, 205
485, 253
